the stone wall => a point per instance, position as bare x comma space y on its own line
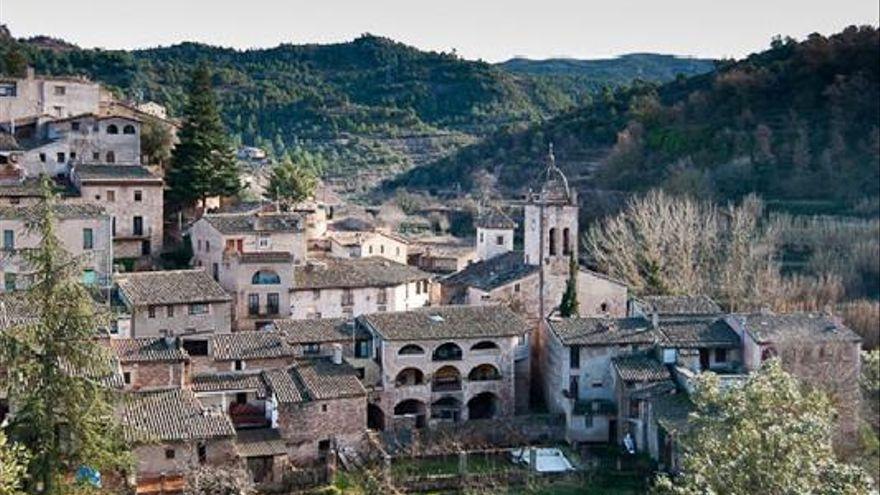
338, 421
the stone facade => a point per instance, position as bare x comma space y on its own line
154, 375
364, 244
336, 303
155, 460
134, 202
493, 241
84, 232
56, 96
312, 428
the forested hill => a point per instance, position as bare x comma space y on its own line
356, 102
796, 122
592, 75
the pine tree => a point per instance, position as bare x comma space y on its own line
203, 163
63, 410
291, 182
569, 306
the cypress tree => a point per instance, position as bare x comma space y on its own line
569, 305
57, 371
203, 163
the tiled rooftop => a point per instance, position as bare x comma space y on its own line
248, 223
171, 415
797, 327
170, 287
142, 350
249, 345
62, 211
681, 305
495, 272
322, 379
315, 331
604, 331
640, 368
355, 273
110, 172
447, 322
231, 381
494, 218
698, 332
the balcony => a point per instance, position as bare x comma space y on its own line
248, 415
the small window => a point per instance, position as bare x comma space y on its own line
128, 129
362, 349
198, 309
112, 129
42, 157
720, 355
96, 155
60, 90
8, 240
323, 407
111, 195
499, 240
238, 365
203, 453
410, 350
516, 287
603, 307
138, 195
111, 157
151, 311
9, 281
169, 453
72, 155
253, 304
88, 239
126, 377
207, 246
215, 271
588, 421
311, 348
196, 347
169, 311
597, 385
264, 241
60, 157
574, 357
74, 126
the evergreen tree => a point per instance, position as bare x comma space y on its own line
203, 163
569, 306
768, 435
291, 182
57, 370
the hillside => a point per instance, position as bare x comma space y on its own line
795, 123
585, 77
371, 106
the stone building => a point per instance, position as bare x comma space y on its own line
816, 348
348, 287
84, 232
444, 364
253, 256
578, 379
172, 433
185, 303
442, 255
494, 233
151, 362
133, 197
369, 244
533, 281
244, 350
57, 97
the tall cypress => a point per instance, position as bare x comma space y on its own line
203, 163
569, 305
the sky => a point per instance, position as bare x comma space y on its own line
492, 30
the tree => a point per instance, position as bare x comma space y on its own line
156, 141
291, 182
15, 62
768, 435
13, 467
662, 244
203, 162
569, 305
57, 370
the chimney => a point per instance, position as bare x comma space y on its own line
337, 353
655, 320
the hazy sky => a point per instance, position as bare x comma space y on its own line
493, 30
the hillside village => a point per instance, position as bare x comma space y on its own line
298, 342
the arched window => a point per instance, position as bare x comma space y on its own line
128, 129
446, 379
410, 350
410, 407
409, 377
552, 241
566, 242
111, 157
486, 345
483, 373
483, 406
112, 129
265, 277
447, 352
